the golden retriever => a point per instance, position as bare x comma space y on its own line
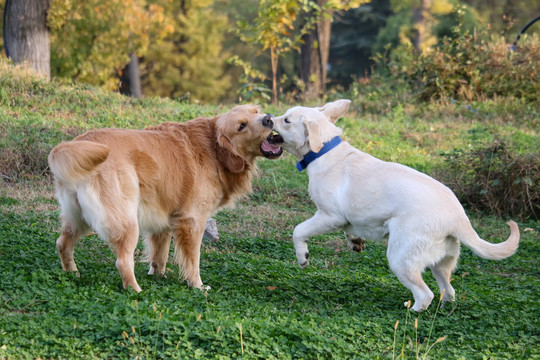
162, 181
421, 219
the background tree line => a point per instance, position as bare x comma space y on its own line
226, 50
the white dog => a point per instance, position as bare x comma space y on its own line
421, 218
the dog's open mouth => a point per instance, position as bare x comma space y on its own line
270, 148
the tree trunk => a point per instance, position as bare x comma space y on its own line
27, 35
420, 25
134, 77
324, 28
310, 70
274, 61
314, 54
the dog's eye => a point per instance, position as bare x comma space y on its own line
242, 126
286, 120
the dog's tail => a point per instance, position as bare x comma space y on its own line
74, 161
490, 251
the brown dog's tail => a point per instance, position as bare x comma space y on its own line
490, 251
72, 162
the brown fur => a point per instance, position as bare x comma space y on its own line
164, 180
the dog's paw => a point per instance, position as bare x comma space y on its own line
417, 307
155, 269
357, 244
305, 263
358, 248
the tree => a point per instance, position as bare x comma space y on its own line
315, 49
415, 23
354, 33
26, 34
272, 30
103, 34
421, 14
134, 76
189, 62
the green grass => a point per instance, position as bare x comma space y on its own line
261, 305
343, 306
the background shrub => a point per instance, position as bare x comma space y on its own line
494, 179
472, 67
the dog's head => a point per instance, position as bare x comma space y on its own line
303, 129
243, 133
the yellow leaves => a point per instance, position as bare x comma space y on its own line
441, 7
58, 11
292, 15
273, 28
346, 4
168, 28
286, 21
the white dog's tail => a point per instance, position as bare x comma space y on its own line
490, 251
72, 162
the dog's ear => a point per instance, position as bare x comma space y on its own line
314, 134
336, 109
227, 156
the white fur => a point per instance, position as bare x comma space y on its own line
421, 219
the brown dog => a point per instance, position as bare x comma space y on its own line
162, 181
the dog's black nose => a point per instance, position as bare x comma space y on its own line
267, 121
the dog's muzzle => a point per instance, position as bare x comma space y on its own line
270, 147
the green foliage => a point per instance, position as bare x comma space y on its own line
472, 66
190, 61
354, 33
402, 27
506, 16
463, 16
252, 86
273, 29
91, 41
180, 46
495, 180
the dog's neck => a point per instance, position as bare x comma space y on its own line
312, 156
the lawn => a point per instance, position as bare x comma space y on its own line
345, 305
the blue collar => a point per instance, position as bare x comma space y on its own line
312, 156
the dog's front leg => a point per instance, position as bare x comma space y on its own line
320, 223
188, 240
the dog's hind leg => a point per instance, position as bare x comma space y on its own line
442, 272
157, 247
444, 268
124, 245
408, 265
412, 279
320, 223
187, 248
73, 227
66, 245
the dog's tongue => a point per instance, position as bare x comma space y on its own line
267, 147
